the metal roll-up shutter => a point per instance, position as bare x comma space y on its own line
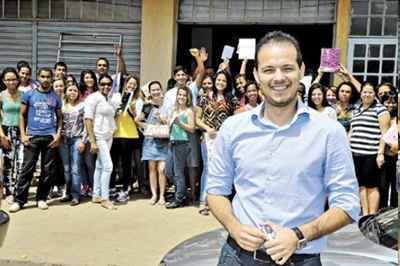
15, 42
83, 42
257, 11
398, 56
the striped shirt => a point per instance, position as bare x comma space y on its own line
366, 132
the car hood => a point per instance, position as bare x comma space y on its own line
346, 247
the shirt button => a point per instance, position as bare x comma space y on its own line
268, 200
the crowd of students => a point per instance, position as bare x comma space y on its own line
99, 139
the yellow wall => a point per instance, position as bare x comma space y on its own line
158, 40
342, 30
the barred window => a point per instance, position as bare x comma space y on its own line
69, 10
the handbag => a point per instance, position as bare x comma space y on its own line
156, 131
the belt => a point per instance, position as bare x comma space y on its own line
294, 258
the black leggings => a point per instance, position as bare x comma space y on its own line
123, 151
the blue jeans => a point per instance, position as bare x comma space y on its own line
180, 154
104, 167
232, 257
71, 160
203, 178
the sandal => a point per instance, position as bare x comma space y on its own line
204, 211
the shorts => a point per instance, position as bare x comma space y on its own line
367, 171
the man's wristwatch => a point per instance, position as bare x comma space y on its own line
302, 243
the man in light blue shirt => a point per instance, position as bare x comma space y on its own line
284, 161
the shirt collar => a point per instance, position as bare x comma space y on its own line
257, 116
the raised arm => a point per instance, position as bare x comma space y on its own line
121, 67
243, 67
200, 69
345, 75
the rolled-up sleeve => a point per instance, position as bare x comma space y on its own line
339, 177
221, 166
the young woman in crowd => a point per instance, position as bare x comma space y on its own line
240, 84
24, 74
87, 86
347, 100
213, 109
370, 121
10, 104
331, 96
59, 180
59, 87
72, 143
253, 98
154, 150
87, 83
182, 123
100, 126
126, 137
317, 100
385, 87
70, 80
388, 175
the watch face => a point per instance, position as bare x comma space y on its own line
302, 243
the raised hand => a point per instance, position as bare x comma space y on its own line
194, 52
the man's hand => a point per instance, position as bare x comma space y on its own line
55, 142
283, 245
26, 140
93, 148
247, 237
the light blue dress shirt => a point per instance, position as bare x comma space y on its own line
284, 174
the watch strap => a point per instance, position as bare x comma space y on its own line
298, 233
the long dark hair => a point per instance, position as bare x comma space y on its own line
314, 87
229, 85
82, 85
355, 95
250, 83
5, 71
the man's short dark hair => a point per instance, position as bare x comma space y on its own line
61, 64
279, 37
44, 69
180, 68
104, 59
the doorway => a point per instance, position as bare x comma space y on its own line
214, 37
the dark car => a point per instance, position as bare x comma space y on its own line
371, 243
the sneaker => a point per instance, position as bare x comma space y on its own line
74, 202
123, 197
107, 205
42, 205
14, 207
174, 204
96, 199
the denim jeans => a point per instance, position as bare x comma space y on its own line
39, 146
104, 167
203, 178
88, 164
71, 161
232, 257
180, 154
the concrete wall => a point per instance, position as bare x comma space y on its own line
158, 40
